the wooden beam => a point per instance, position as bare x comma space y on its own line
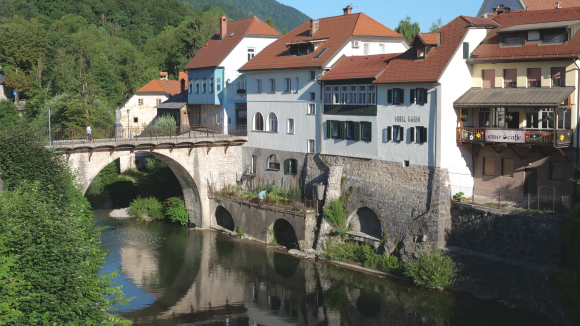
469, 149
493, 147
563, 154
514, 150
151, 149
171, 148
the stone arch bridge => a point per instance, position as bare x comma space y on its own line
196, 162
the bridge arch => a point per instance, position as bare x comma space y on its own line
284, 233
224, 219
365, 220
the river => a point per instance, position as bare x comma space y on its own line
194, 277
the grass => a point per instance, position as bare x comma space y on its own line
363, 255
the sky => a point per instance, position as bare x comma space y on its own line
390, 12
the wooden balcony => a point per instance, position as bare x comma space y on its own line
563, 137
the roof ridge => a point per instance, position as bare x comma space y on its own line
355, 23
376, 21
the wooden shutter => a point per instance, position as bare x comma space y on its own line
559, 73
390, 96
287, 166
424, 135
488, 166
488, 78
389, 133
294, 166
401, 133
356, 131
465, 50
370, 125
534, 74
412, 96
424, 96
342, 130
510, 75
329, 129
412, 133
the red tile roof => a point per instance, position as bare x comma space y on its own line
405, 68
550, 4
336, 30
489, 50
215, 50
430, 38
359, 67
170, 87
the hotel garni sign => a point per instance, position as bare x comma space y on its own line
505, 136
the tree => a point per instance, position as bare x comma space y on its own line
8, 114
408, 29
435, 26
271, 23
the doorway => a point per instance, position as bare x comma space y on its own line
515, 120
531, 183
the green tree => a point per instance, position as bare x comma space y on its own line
435, 26
6, 9
8, 114
271, 23
408, 29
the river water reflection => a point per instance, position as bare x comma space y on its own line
182, 277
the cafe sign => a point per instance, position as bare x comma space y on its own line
505, 136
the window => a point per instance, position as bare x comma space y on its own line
510, 78
311, 108
272, 86
534, 77
290, 166
406, 163
420, 51
197, 85
290, 126
465, 50
253, 166
335, 94
362, 94
258, 86
421, 94
507, 167
539, 118
327, 94
395, 96
296, 87
555, 37
135, 119
489, 166
421, 134
348, 130
533, 35
488, 76
190, 86
219, 84
558, 76
333, 129
211, 85
312, 96
398, 133
204, 85
352, 95
556, 169
273, 163
158, 101
319, 54
514, 40
251, 53
311, 148
344, 94
372, 94
381, 48
367, 48
288, 83
564, 119
365, 131
241, 86
258, 122
272, 122
140, 101
312, 75
492, 117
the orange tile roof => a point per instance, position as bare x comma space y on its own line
405, 68
182, 75
359, 67
550, 4
215, 50
170, 87
336, 30
489, 50
430, 38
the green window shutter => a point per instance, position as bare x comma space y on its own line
424, 93
412, 134
465, 50
329, 129
294, 166
370, 125
343, 130
357, 131
287, 166
390, 96
402, 133
412, 93
424, 136
389, 133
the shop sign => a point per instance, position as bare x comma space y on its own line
242, 114
505, 136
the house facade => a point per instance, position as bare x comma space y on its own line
490, 7
284, 91
216, 89
520, 116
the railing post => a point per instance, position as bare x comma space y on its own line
528, 201
473, 196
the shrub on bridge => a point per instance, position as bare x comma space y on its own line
150, 206
175, 210
430, 270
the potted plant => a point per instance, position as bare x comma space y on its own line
510, 117
500, 116
464, 117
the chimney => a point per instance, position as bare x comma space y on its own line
501, 9
223, 26
347, 10
314, 26
163, 75
182, 85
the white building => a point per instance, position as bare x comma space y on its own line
399, 108
216, 89
284, 95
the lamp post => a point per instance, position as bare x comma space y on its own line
128, 123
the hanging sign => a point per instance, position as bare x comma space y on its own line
505, 136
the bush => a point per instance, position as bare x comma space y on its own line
175, 210
568, 280
362, 254
459, 196
335, 213
240, 232
430, 270
149, 206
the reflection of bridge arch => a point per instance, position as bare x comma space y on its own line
284, 233
365, 220
224, 218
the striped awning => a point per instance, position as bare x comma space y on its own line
514, 97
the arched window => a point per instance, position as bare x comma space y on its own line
273, 163
258, 121
272, 122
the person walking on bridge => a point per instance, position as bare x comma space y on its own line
89, 131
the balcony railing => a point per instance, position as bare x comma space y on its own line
562, 138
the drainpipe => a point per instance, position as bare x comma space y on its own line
321, 133
437, 106
577, 113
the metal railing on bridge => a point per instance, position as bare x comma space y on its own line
202, 132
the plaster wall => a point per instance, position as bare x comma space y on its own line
145, 113
391, 45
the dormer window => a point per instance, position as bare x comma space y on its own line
421, 51
301, 49
514, 40
555, 36
521, 37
